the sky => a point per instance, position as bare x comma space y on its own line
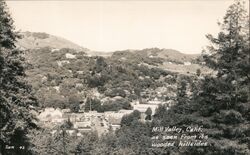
118, 25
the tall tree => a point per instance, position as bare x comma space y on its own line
58, 142
15, 97
226, 98
8, 36
229, 56
221, 103
148, 113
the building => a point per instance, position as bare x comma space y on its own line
125, 112
51, 115
187, 63
82, 124
114, 123
154, 102
143, 107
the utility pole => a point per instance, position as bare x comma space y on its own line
90, 104
64, 145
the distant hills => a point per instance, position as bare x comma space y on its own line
35, 40
168, 54
168, 59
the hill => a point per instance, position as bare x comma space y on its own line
34, 40
166, 59
169, 55
61, 76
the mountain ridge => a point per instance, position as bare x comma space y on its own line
34, 40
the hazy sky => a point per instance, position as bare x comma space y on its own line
118, 25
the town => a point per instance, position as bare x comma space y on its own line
101, 122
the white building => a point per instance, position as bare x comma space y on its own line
84, 124
50, 116
187, 63
70, 56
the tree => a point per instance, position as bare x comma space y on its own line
182, 97
74, 103
88, 143
148, 113
230, 57
160, 112
59, 142
93, 105
229, 50
128, 119
15, 95
74, 107
68, 124
136, 136
100, 64
8, 36
224, 97
198, 72
221, 104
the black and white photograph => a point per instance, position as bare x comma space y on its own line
124, 77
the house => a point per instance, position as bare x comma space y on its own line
71, 131
54, 50
66, 110
110, 114
82, 124
79, 72
51, 115
70, 56
60, 63
75, 117
113, 119
115, 126
154, 102
79, 134
125, 112
93, 114
115, 123
57, 88
187, 63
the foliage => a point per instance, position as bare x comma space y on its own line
215, 104
219, 103
74, 103
127, 120
57, 143
115, 105
148, 113
16, 98
53, 76
88, 143
92, 104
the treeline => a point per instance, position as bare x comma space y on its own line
16, 98
56, 79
